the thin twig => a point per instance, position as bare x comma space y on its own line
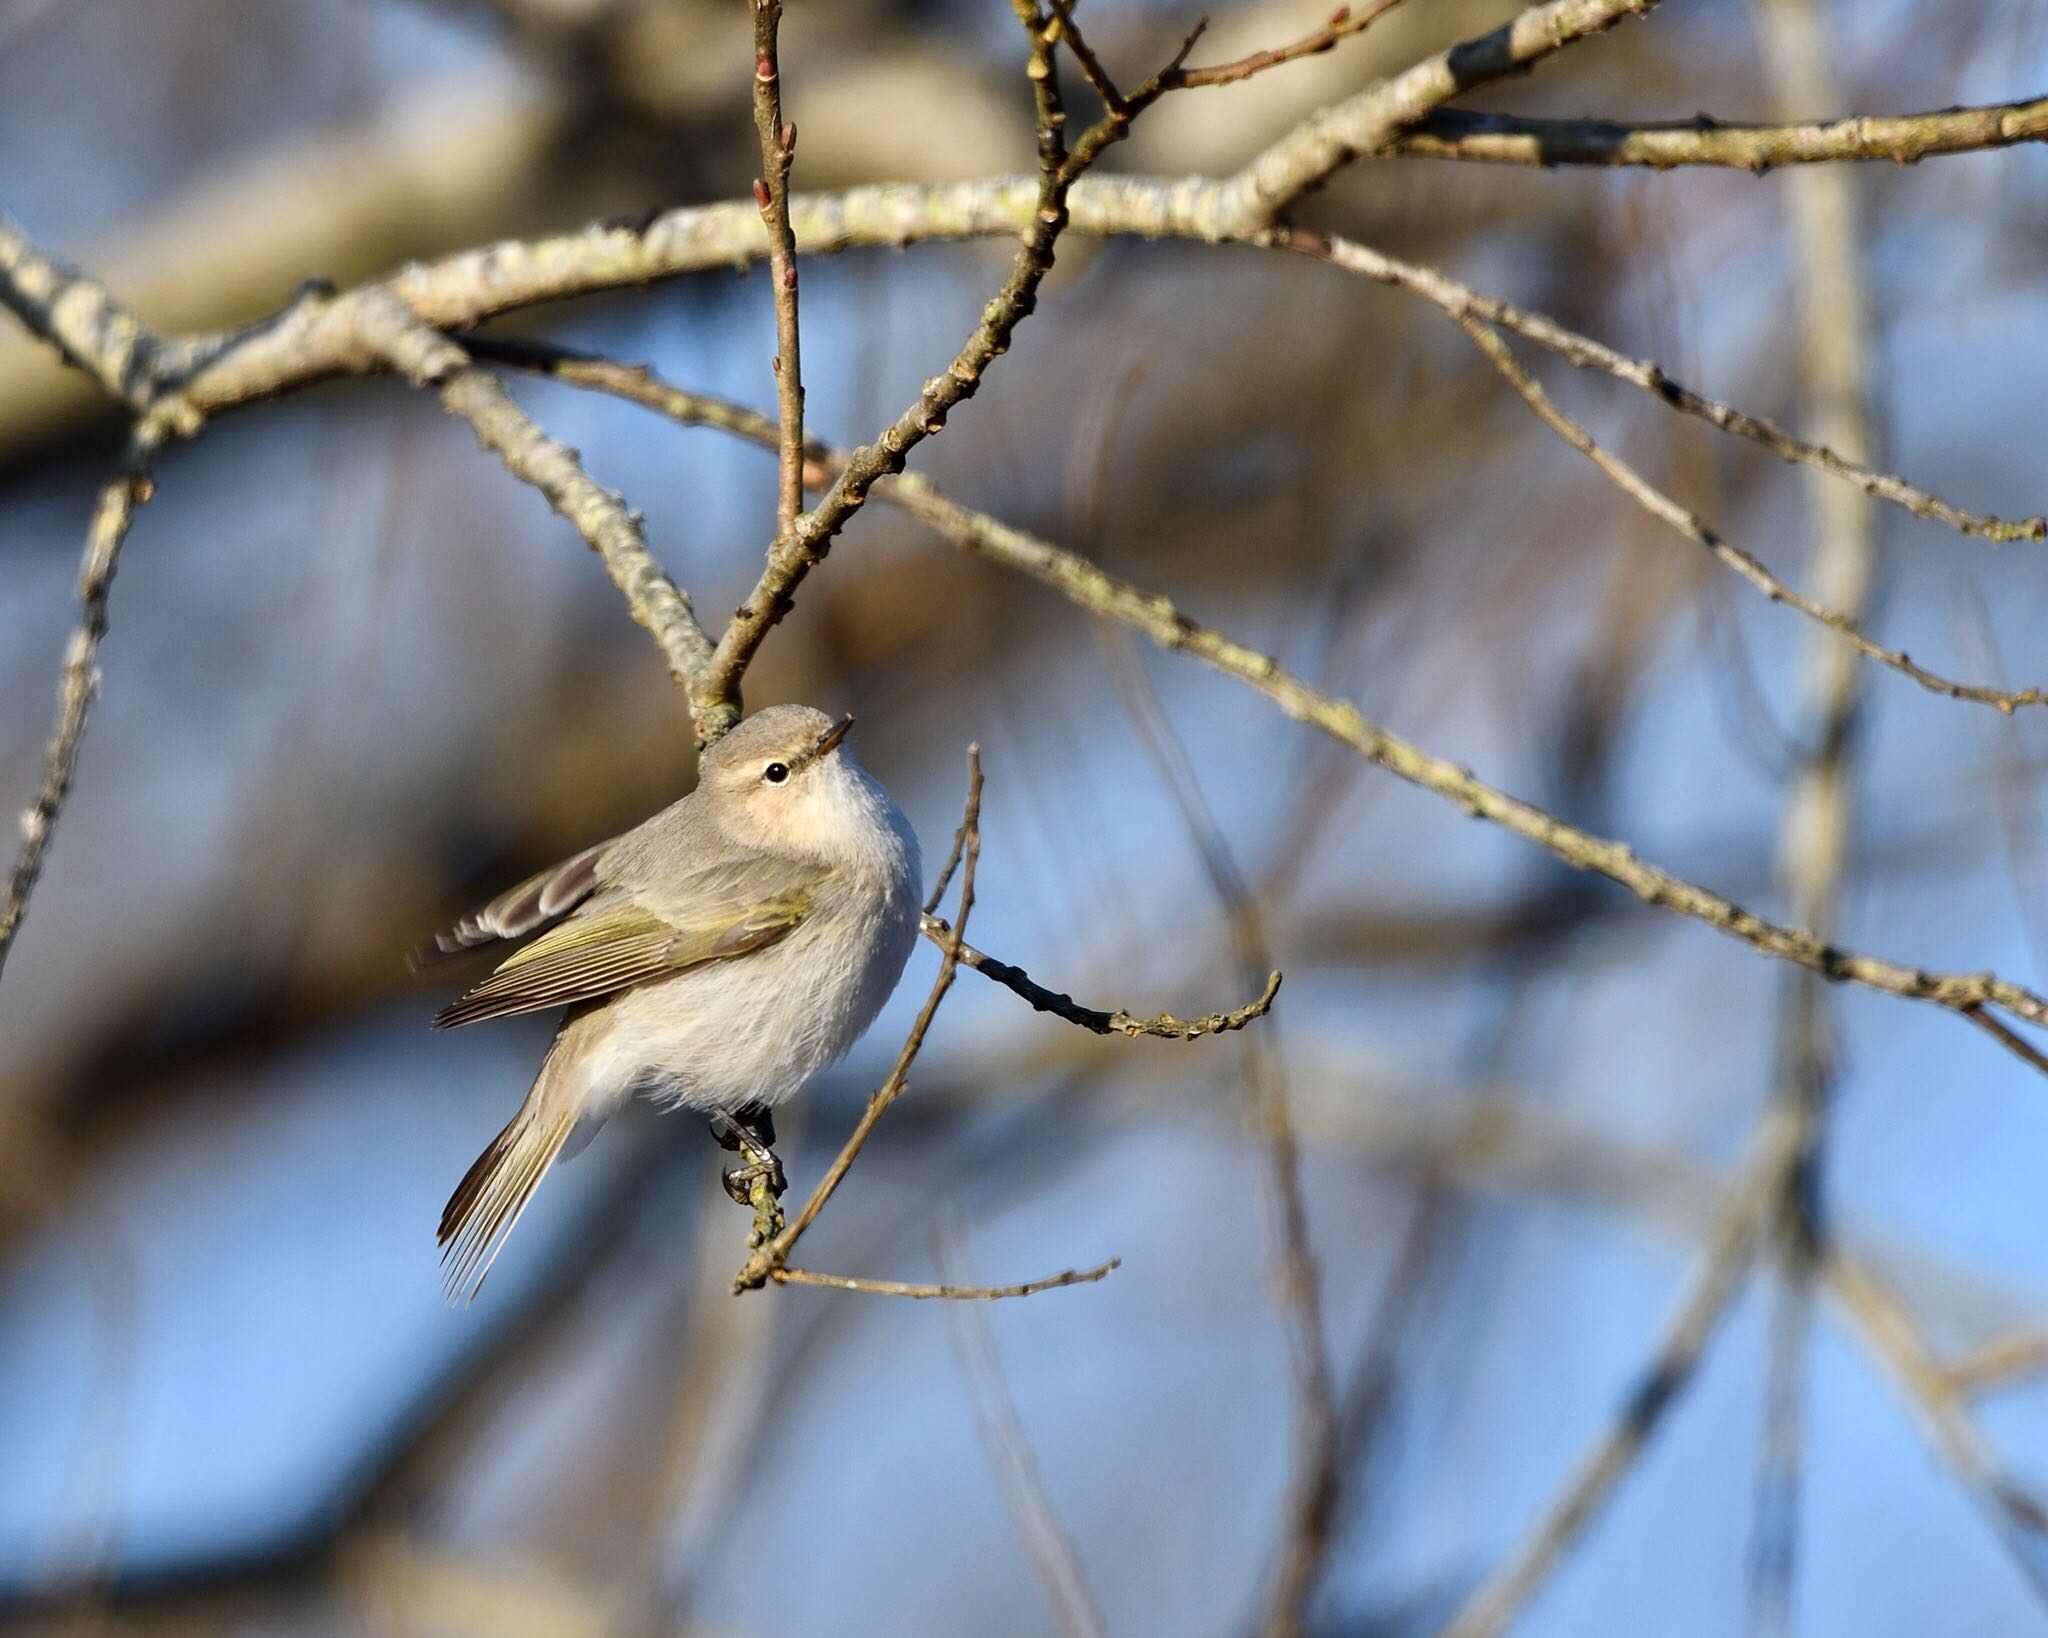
2015, 1513
938, 892
1161, 1026
1722, 1265
760, 1267
1046, 1542
79, 680
1309, 1506
1344, 22
1998, 1364
1585, 353
953, 1293
771, 192
1092, 71
1696, 529
800, 548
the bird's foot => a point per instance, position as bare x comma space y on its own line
739, 1180
758, 1183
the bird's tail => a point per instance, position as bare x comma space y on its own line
492, 1194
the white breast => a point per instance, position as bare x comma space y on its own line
757, 1029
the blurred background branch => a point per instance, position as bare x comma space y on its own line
353, 676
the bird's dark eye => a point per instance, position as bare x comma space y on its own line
776, 772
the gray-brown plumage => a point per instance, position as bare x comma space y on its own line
718, 955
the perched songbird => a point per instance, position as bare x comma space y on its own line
716, 957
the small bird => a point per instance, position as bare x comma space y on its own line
717, 957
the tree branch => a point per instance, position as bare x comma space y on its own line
1722, 1266
608, 526
81, 319
78, 683
1905, 139
1583, 351
952, 1293
1343, 23
771, 193
1696, 529
803, 543
1085, 584
1332, 137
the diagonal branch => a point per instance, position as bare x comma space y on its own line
1905, 139
81, 319
1493, 1606
1344, 22
608, 526
803, 542
79, 680
1696, 529
1088, 586
1459, 300
1332, 137
2016, 1514
1045, 1540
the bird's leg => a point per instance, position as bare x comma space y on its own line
759, 1183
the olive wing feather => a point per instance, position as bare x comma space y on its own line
594, 953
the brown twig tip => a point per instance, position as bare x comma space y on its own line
1342, 24
917, 1292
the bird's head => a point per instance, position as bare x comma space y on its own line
780, 780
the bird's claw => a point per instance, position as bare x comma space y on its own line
739, 1180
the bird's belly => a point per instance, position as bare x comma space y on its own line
754, 1030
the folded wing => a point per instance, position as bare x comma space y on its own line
597, 951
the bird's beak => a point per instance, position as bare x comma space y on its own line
828, 741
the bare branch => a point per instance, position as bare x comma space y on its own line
1722, 1266
79, 680
1343, 23
1905, 139
803, 545
1696, 529
953, 1293
2015, 1513
768, 1257
1332, 137
1163, 1026
1046, 1542
607, 525
1998, 1364
1457, 299
778, 151
80, 318
316, 337
1088, 586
